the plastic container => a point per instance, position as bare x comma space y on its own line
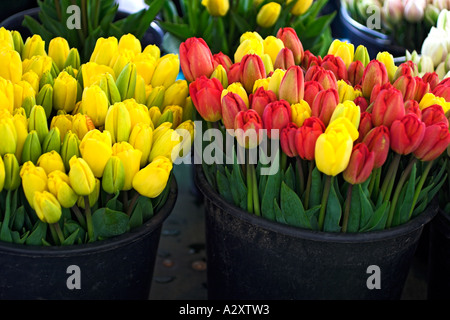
117, 268
252, 258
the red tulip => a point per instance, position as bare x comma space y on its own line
360, 165
407, 85
232, 103
251, 69
378, 141
312, 88
196, 59
324, 105
284, 60
205, 94
233, 73
310, 60
292, 86
287, 140
376, 90
355, 72
375, 73
422, 88
306, 137
362, 103
291, 41
248, 128
433, 115
276, 116
336, 65
432, 78
436, 140
412, 106
365, 125
325, 77
388, 107
260, 99
442, 91
408, 68
223, 60
406, 134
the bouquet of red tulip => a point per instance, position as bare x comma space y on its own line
358, 140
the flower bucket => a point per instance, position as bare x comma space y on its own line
116, 268
252, 258
439, 258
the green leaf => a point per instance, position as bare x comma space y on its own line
333, 212
69, 228
379, 218
38, 234
70, 240
313, 216
17, 238
18, 218
292, 208
289, 177
407, 202
114, 203
145, 206
316, 188
136, 218
108, 223
271, 192
223, 186
5, 233
279, 217
240, 22
355, 212
366, 208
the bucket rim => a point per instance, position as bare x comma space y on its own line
137, 234
411, 226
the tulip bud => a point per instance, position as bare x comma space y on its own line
34, 179
292, 42
176, 94
104, 50
95, 105
408, 68
284, 60
154, 114
166, 142
131, 159
10, 65
251, 69
276, 116
346, 92
156, 97
336, 65
249, 46
18, 41
306, 137
326, 78
47, 207
436, 139
50, 162
292, 85
118, 122
344, 50
81, 124
312, 88
63, 122
287, 140
412, 106
52, 141
275, 81
45, 99
347, 109
310, 60
248, 128
388, 107
205, 94
406, 134
126, 81
223, 60
6, 95
407, 86
300, 112
38, 122
141, 138
69, 148
260, 99
388, 60
81, 177
166, 71
166, 117
177, 114
73, 59
59, 186
433, 115
109, 87
158, 172
324, 105
239, 89
378, 141
375, 73
216, 8
11, 172
34, 46
186, 130
21, 125
365, 126
360, 165
432, 79
430, 99
9, 135
355, 73
268, 14
232, 103
362, 55
58, 50
129, 42
95, 149
272, 46
113, 179
362, 103
300, 6
414, 11
422, 88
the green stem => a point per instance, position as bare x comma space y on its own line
301, 176
132, 203
125, 200
55, 226
420, 185
249, 189
323, 206
308, 184
87, 210
84, 17
347, 208
255, 189
283, 161
58, 9
79, 216
398, 189
390, 177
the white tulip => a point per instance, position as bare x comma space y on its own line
436, 46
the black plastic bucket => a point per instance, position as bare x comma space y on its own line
252, 258
117, 268
439, 258
373, 40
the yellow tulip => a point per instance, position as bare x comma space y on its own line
95, 104
216, 8
165, 143
268, 65
7, 38
58, 50
138, 113
39, 64
2, 174
153, 50
152, 180
93, 196
81, 177
343, 124
38, 122
50, 162
220, 74
177, 113
262, 83
59, 185
186, 130
92, 72
300, 6
6, 95
250, 35
272, 46
156, 97
237, 88
10, 177
131, 159
104, 50
145, 66
32, 78
348, 109
81, 124
113, 179
120, 60
176, 93
430, 99
129, 42
63, 122
249, 46
141, 138
70, 148
140, 94
47, 207
34, 46
275, 80
8, 135
166, 70
155, 114
333, 151
10, 65
20, 122
344, 50
300, 112
34, 179
388, 60
268, 14
22, 91
96, 149
346, 91
65, 92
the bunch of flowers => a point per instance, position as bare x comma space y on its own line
361, 139
87, 149
221, 22
406, 21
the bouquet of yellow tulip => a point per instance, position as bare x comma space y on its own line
88, 149
221, 22
341, 143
